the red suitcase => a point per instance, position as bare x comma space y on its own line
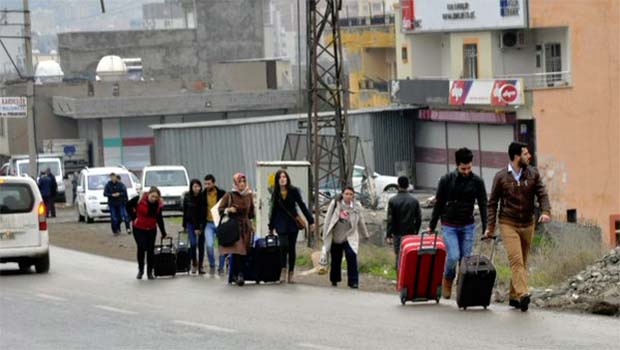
421, 267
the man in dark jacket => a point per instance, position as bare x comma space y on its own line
212, 195
514, 190
45, 187
52, 206
115, 191
404, 216
457, 193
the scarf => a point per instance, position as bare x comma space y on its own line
236, 178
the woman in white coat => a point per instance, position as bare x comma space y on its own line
343, 225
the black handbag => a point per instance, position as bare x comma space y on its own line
228, 229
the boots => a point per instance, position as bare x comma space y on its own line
283, 275
447, 288
291, 277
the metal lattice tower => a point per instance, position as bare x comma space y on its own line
331, 163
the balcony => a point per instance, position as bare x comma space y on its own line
366, 21
535, 81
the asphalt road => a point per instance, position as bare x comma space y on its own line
93, 302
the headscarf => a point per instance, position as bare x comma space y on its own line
236, 178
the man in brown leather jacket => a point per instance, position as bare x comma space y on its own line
515, 189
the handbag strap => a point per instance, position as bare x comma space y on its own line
286, 210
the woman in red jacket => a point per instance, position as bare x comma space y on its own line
148, 217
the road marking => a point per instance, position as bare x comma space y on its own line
50, 297
317, 347
205, 326
113, 309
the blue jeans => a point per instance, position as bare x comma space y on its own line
118, 214
210, 242
459, 243
196, 242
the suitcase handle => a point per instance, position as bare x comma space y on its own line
428, 232
169, 239
483, 239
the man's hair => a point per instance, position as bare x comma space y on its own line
210, 177
463, 156
515, 149
403, 182
112, 175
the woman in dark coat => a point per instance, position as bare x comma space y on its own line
148, 218
239, 204
284, 202
194, 217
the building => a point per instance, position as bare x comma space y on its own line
531, 75
224, 30
170, 14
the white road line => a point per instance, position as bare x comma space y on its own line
113, 309
50, 297
205, 326
317, 347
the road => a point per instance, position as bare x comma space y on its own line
93, 302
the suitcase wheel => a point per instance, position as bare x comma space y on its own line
257, 282
485, 307
464, 307
403, 296
437, 300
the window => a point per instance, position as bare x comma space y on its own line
15, 198
403, 53
42, 165
98, 182
553, 62
470, 61
164, 178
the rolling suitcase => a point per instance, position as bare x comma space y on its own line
183, 259
420, 269
262, 264
165, 259
476, 280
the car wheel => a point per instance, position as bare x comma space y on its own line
391, 189
42, 265
24, 266
80, 216
89, 220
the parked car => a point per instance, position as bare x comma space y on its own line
20, 166
172, 181
24, 238
91, 204
383, 183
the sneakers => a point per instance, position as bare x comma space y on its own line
240, 280
201, 270
354, 286
514, 303
212, 271
291, 277
525, 302
140, 274
446, 288
194, 269
128, 231
220, 271
150, 276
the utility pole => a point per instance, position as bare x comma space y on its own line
33, 169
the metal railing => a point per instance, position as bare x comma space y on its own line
366, 21
541, 80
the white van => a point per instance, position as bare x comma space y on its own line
90, 203
24, 238
172, 181
21, 167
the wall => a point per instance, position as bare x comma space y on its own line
485, 53
404, 68
241, 77
231, 29
427, 58
579, 127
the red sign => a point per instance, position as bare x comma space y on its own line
486, 92
504, 92
407, 14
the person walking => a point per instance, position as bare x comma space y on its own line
45, 187
211, 195
51, 209
123, 210
74, 184
193, 221
285, 221
114, 190
239, 204
515, 189
404, 216
343, 225
148, 212
457, 192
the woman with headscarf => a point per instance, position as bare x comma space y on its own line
194, 213
239, 204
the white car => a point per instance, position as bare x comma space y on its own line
54, 162
172, 181
24, 238
383, 183
91, 204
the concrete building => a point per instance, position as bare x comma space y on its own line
224, 30
511, 58
169, 14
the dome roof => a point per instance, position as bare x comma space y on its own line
111, 64
48, 69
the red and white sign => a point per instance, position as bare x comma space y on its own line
408, 16
486, 92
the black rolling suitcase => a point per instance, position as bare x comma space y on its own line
267, 259
183, 259
165, 259
263, 263
476, 280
